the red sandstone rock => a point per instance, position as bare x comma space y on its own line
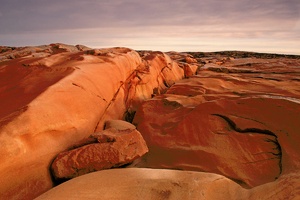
117, 145
79, 89
189, 70
50, 104
186, 61
190, 60
210, 138
155, 75
54, 96
228, 122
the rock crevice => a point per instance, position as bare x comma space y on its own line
54, 96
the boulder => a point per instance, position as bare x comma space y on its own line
190, 60
117, 145
189, 70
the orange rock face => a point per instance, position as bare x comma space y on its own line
54, 96
239, 120
49, 104
110, 148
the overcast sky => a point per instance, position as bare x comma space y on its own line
180, 25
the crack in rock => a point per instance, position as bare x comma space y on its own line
81, 87
234, 126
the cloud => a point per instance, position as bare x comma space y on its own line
47, 15
162, 22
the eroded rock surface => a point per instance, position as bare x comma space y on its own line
119, 144
54, 96
239, 119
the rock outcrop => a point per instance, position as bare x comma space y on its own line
119, 144
239, 119
54, 96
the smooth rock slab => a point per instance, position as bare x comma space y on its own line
110, 148
137, 183
141, 183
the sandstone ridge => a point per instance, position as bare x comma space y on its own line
55, 96
238, 117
